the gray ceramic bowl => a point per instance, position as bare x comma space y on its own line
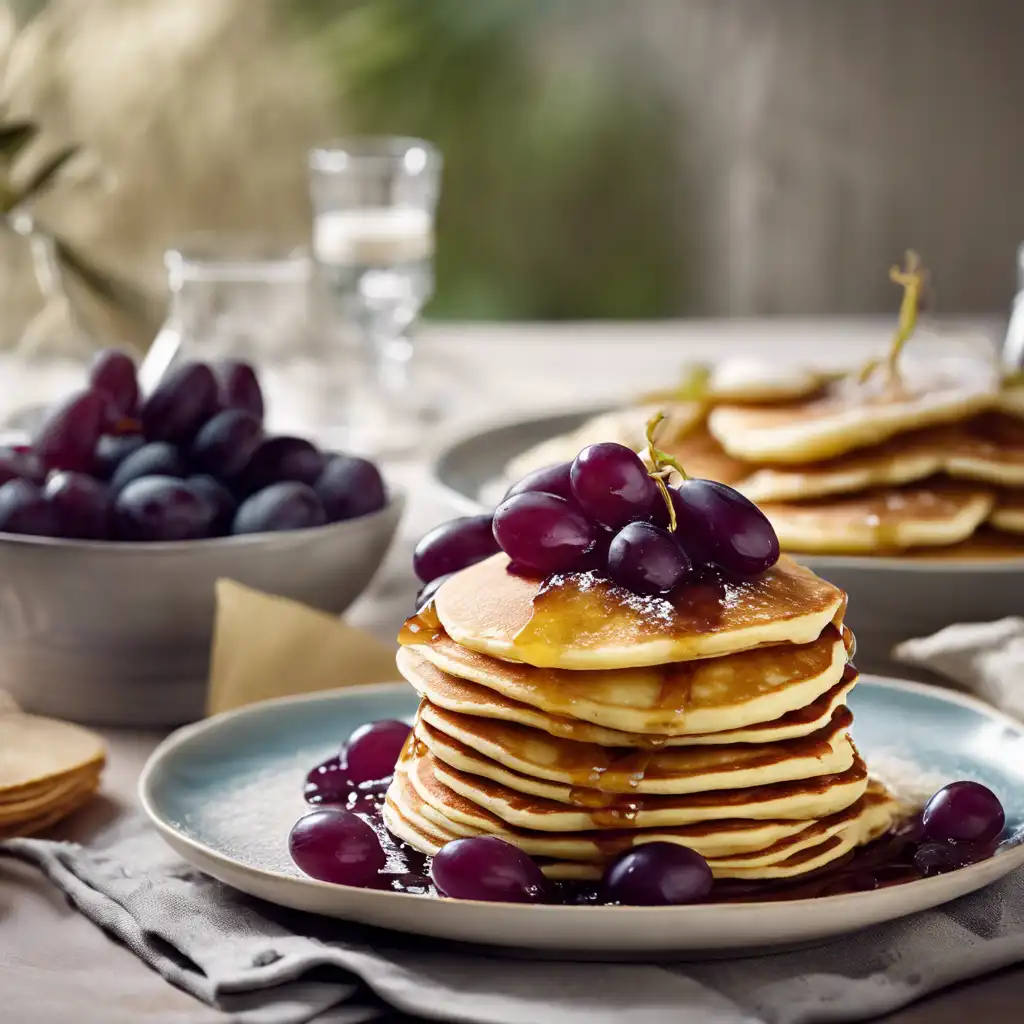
119, 634
891, 599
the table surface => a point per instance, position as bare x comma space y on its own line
58, 968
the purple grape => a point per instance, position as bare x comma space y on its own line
112, 450
963, 812
226, 443
716, 524
239, 388
428, 590
335, 845
542, 533
646, 559
487, 868
69, 433
112, 372
281, 459
21, 465
454, 545
372, 751
24, 510
83, 507
350, 487
657, 875
182, 402
161, 508
327, 783
938, 858
554, 479
284, 506
611, 485
158, 458
221, 500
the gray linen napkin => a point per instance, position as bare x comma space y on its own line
263, 965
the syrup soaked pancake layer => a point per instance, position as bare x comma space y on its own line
454, 694
850, 414
806, 798
1008, 514
931, 515
540, 765
580, 621
442, 815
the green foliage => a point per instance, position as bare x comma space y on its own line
557, 170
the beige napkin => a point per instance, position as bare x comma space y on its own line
266, 646
984, 658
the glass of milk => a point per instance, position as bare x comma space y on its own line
373, 241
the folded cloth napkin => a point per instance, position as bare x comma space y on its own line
984, 658
263, 965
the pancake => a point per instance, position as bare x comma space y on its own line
685, 698
1011, 398
454, 694
803, 799
892, 519
1008, 514
581, 621
850, 414
569, 772
748, 380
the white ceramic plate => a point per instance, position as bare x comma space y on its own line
225, 792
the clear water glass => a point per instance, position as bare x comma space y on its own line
239, 296
374, 201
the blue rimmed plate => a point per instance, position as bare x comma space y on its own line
225, 792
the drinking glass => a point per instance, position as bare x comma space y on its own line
373, 241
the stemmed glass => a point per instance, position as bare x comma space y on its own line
373, 241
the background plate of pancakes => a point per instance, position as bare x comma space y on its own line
921, 529
225, 792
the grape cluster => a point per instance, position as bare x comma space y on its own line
606, 511
189, 461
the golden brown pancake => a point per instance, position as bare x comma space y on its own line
892, 519
580, 621
1008, 514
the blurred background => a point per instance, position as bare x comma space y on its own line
603, 159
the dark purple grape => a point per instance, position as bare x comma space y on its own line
646, 559
454, 545
428, 590
69, 433
542, 533
182, 402
657, 875
23, 509
226, 443
372, 750
335, 845
963, 812
158, 458
83, 507
112, 450
611, 485
327, 783
239, 388
285, 506
716, 523
938, 858
549, 480
21, 465
350, 487
112, 372
161, 508
221, 500
487, 868
281, 459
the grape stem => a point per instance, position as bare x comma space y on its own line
662, 465
912, 277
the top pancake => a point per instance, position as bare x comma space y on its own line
580, 621
848, 414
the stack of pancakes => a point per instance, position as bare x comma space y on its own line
933, 462
576, 719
